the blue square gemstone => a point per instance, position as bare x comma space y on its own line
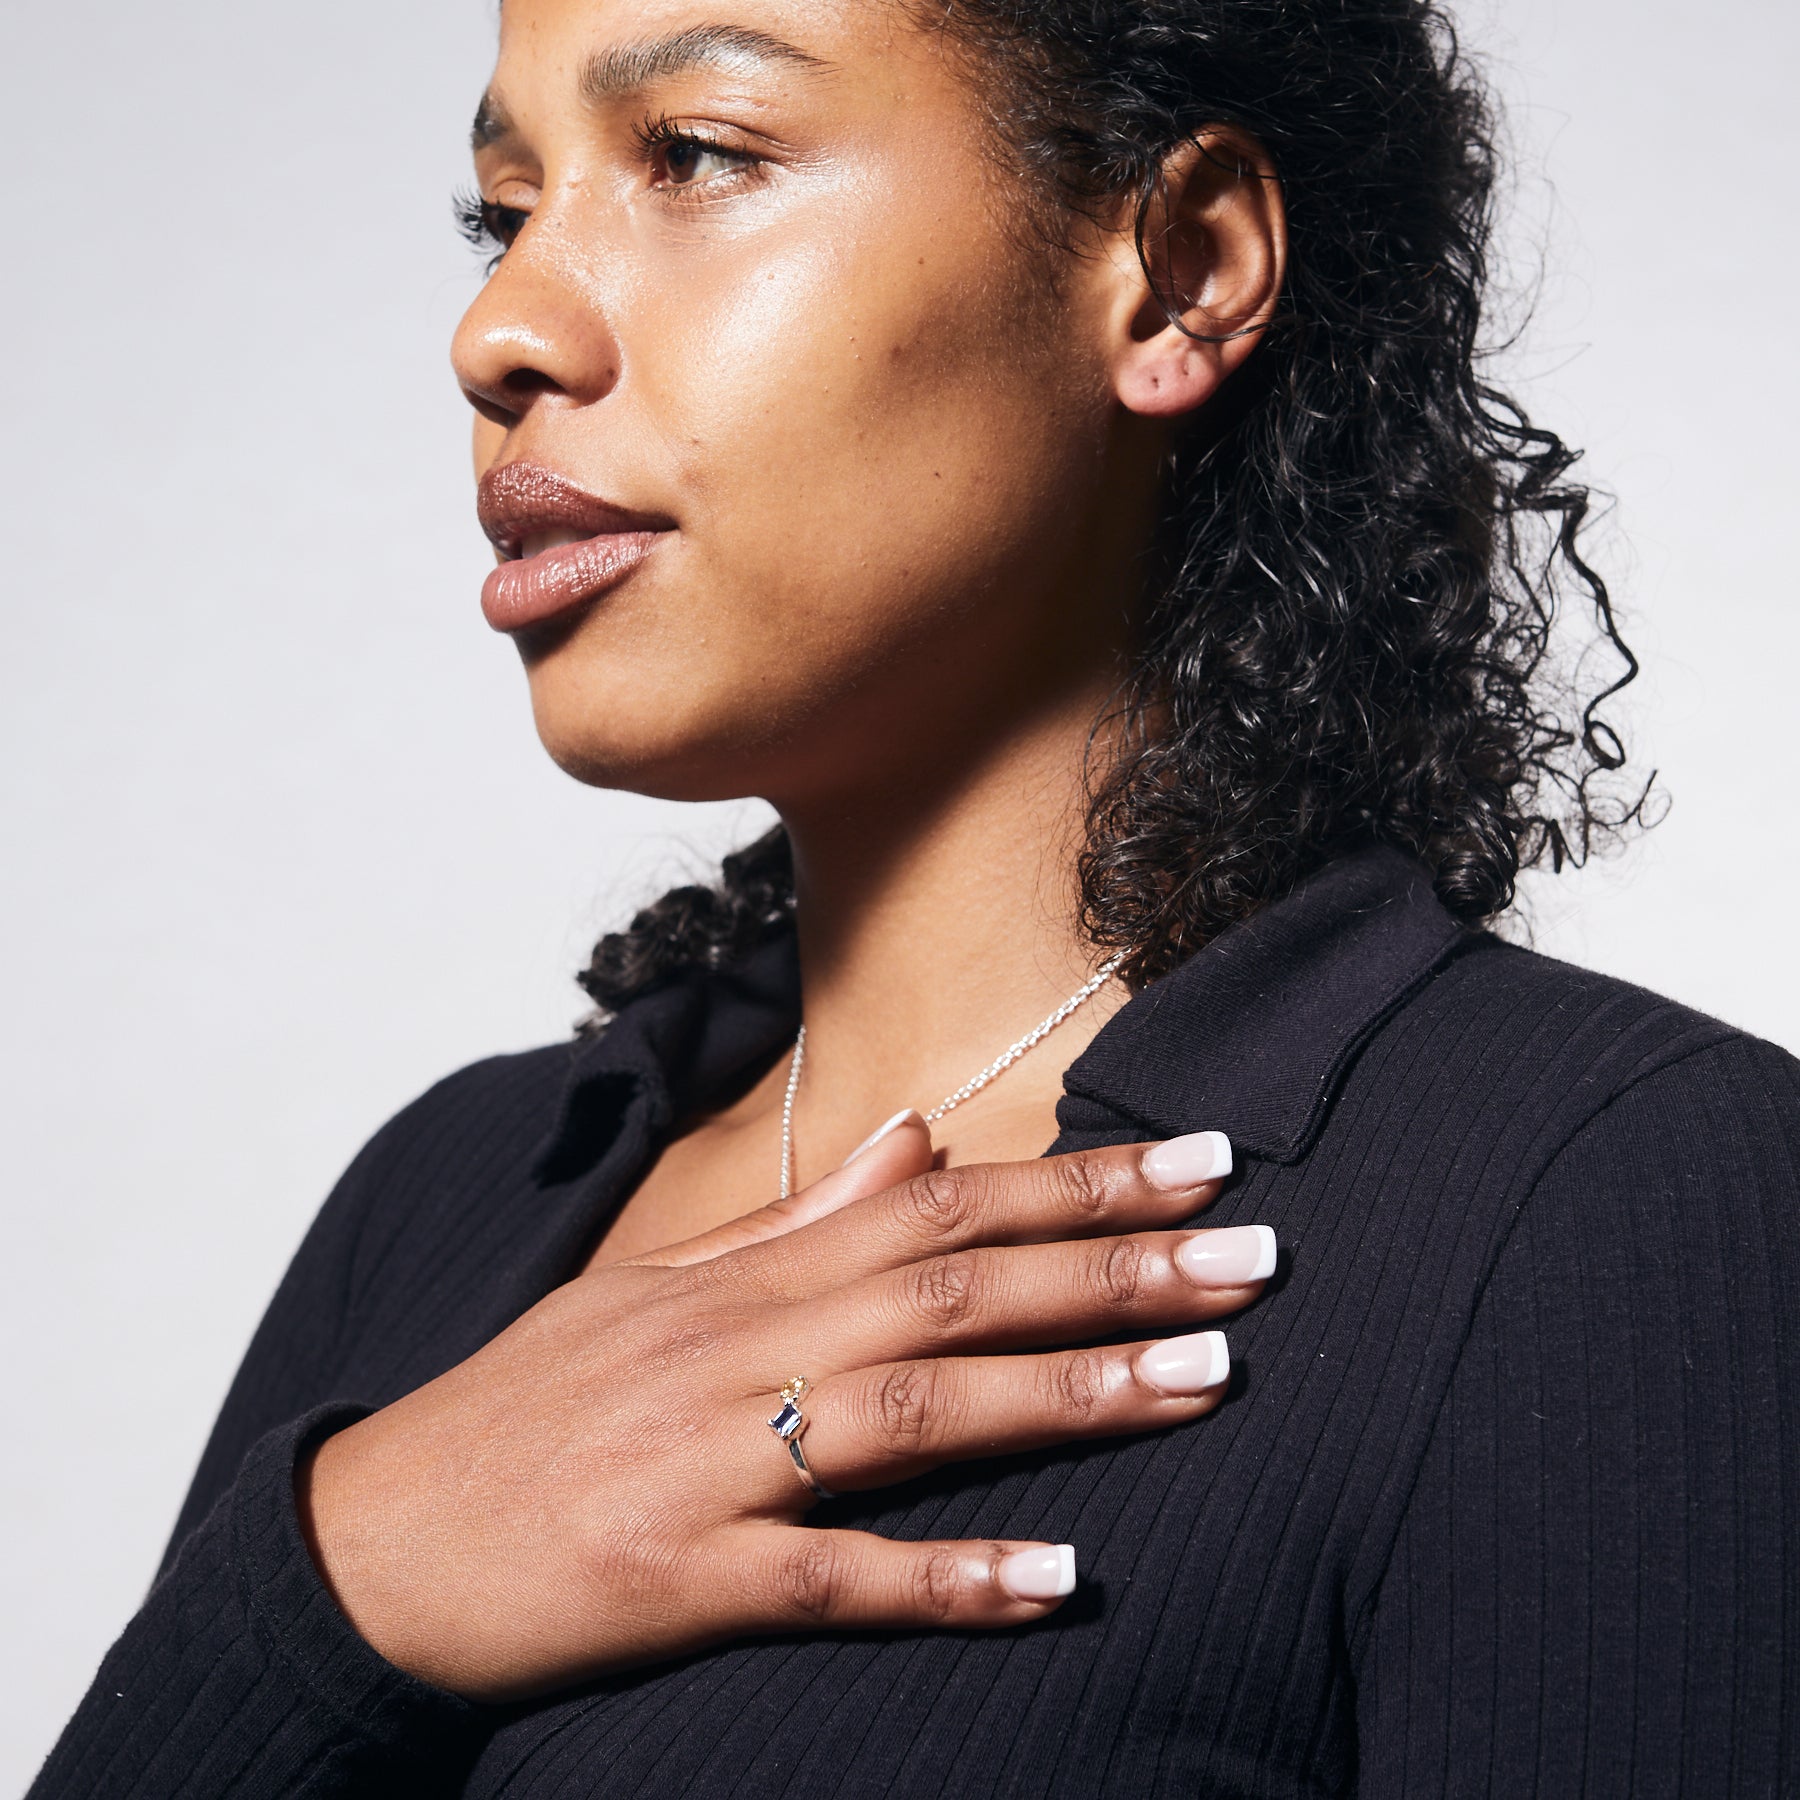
787, 1421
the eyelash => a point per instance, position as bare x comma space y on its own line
488, 227
492, 228
664, 134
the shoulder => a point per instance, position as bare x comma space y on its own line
1642, 1286
468, 1146
494, 1108
1563, 1049
1644, 1158
1563, 1013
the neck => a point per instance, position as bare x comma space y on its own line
937, 924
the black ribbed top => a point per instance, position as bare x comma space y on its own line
1506, 1498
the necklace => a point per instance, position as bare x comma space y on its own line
968, 1090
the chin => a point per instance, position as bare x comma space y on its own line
659, 751
658, 765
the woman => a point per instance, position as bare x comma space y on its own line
1041, 450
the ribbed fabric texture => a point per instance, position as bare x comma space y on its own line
1505, 1499
241, 1676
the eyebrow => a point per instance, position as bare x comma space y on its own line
628, 68
492, 123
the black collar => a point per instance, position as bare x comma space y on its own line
1250, 1036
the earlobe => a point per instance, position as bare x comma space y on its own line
1192, 307
1170, 374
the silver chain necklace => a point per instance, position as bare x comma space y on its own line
967, 1091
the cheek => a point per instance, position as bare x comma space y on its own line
873, 429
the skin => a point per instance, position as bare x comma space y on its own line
911, 456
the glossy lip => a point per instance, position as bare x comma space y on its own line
518, 499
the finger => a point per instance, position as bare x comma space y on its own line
1090, 1193
893, 1152
793, 1579
885, 1424
1032, 1295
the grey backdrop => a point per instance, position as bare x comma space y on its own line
280, 847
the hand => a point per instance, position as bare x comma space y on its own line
598, 1488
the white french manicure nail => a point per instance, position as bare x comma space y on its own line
880, 1132
1186, 1365
1042, 1574
1228, 1256
1185, 1162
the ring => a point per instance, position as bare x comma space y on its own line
788, 1425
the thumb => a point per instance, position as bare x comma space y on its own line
897, 1151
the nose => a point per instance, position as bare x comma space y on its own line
537, 334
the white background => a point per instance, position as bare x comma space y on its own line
279, 845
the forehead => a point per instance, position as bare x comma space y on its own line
565, 58
822, 29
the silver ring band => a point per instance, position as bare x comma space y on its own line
788, 1424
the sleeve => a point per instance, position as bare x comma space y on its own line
240, 1675
1595, 1590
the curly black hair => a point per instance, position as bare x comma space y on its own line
1364, 543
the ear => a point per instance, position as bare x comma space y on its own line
1192, 307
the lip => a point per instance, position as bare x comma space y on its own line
520, 499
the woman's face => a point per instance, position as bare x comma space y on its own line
775, 296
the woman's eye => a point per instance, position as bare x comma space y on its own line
687, 162
487, 225
504, 223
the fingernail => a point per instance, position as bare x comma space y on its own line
1185, 1162
1186, 1365
1047, 1573
1228, 1257
880, 1132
